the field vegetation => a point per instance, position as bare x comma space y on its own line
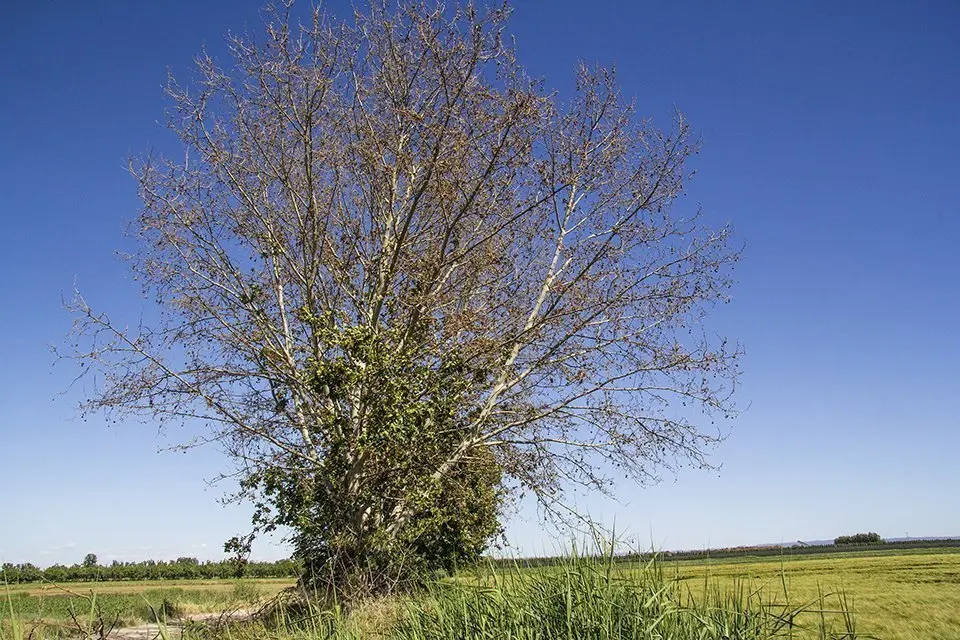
52, 610
902, 594
890, 594
750, 553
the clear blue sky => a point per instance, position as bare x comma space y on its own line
831, 140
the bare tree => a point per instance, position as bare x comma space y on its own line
388, 255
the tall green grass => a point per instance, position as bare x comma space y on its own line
600, 599
583, 598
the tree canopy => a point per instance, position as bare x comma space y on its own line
396, 278
859, 538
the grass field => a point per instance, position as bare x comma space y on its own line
898, 595
50, 608
268, 586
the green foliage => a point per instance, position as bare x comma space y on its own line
860, 538
247, 592
239, 547
90, 561
374, 512
453, 525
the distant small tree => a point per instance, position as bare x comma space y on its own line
90, 560
859, 538
55, 573
30, 573
239, 547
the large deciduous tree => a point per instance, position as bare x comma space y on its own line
395, 276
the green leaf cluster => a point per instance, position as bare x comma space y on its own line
375, 501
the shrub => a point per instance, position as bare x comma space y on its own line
860, 538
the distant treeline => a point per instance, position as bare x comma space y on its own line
193, 569
180, 569
742, 552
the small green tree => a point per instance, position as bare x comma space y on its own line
90, 560
239, 547
859, 538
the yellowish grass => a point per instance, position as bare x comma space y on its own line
896, 596
269, 586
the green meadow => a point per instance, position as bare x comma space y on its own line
897, 595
